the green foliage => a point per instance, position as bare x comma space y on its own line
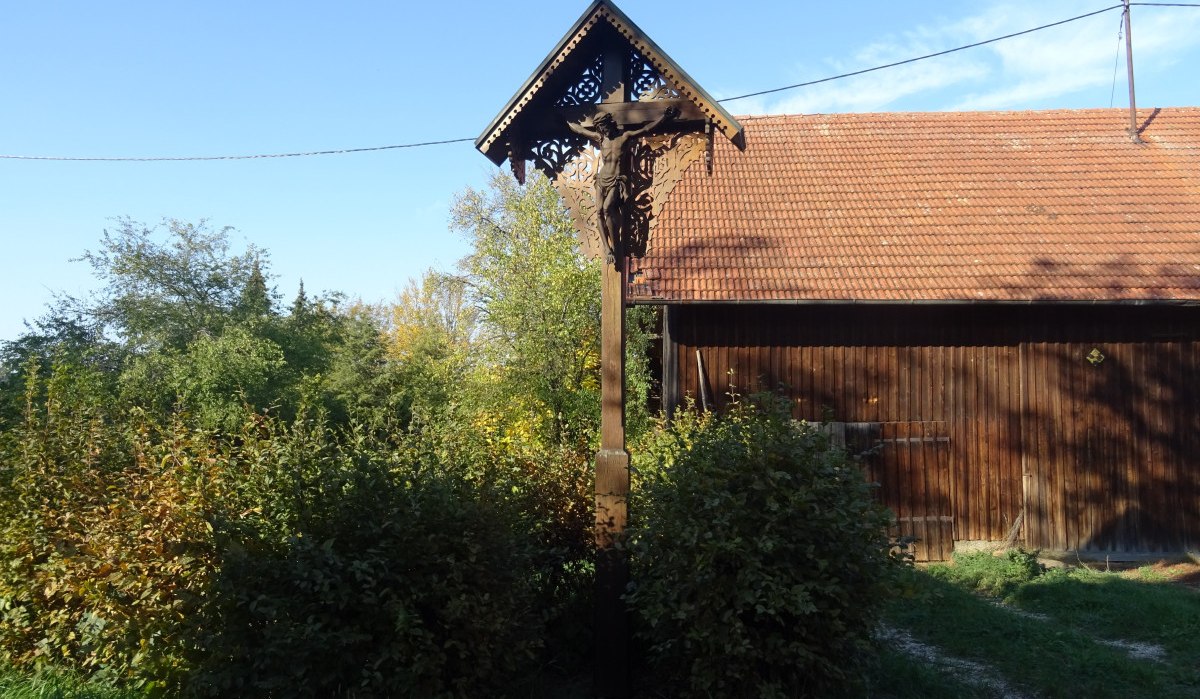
64, 336
641, 322
289, 560
760, 560
183, 324
432, 338
203, 491
107, 544
218, 375
358, 381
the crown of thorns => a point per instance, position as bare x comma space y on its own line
604, 118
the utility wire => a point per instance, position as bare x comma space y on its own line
1116, 61
920, 58
342, 151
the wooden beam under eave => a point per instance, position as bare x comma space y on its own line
551, 123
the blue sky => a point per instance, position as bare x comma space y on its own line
220, 78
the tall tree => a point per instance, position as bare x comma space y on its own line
539, 304
255, 302
432, 339
164, 294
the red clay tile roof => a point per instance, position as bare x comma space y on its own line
978, 206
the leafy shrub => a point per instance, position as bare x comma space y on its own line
760, 560
392, 580
107, 540
549, 490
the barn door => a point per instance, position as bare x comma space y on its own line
911, 463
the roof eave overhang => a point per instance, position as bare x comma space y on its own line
492, 142
647, 301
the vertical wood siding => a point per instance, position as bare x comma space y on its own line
1106, 453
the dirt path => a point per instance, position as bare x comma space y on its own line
1137, 651
970, 672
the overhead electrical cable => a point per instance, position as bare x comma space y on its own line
1116, 60
342, 151
920, 58
339, 151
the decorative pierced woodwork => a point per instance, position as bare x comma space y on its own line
553, 156
587, 89
658, 164
574, 184
603, 23
646, 82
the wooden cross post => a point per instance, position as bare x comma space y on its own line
608, 70
612, 491
612, 461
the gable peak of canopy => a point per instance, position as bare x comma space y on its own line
600, 25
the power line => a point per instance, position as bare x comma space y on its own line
1116, 61
339, 151
920, 58
841, 76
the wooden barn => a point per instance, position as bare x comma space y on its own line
1005, 305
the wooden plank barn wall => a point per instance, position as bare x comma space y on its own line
983, 412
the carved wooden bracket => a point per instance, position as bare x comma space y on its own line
659, 163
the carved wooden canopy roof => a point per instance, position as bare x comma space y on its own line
569, 82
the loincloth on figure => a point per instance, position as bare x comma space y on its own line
605, 183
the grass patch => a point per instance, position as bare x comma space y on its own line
899, 676
56, 684
1061, 652
1110, 606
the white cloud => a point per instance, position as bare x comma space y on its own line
1072, 60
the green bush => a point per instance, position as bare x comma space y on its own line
105, 533
759, 560
397, 581
549, 490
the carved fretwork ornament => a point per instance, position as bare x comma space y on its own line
587, 88
653, 164
645, 82
658, 164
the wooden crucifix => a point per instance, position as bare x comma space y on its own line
614, 122
612, 179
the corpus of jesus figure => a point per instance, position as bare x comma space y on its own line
612, 184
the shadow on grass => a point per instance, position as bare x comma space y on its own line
1048, 658
1113, 607
899, 676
